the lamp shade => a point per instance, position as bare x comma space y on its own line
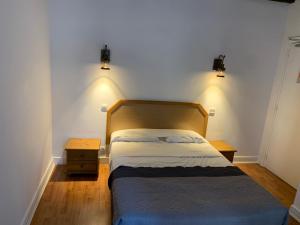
105, 58
219, 65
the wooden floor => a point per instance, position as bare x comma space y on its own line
86, 200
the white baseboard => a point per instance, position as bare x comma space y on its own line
58, 160
61, 160
104, 159
245, 159
295, 213
38, 194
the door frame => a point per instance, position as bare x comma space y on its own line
272, 114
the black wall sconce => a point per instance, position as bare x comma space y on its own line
219, 65
105, 58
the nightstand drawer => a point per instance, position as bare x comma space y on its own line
84, 167
82, 155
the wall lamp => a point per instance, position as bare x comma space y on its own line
105, 58
219, 66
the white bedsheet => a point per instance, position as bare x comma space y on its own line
162, 154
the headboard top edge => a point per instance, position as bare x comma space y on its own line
129, 102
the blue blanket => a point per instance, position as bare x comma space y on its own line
191, 196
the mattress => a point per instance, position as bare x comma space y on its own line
161, 153
156, 182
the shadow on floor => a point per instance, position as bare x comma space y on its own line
60, 175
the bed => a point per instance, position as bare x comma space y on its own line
164, 171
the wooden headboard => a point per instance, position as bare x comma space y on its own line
130, 114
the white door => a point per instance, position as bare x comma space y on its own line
283, 157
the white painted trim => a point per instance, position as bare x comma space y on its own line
58, 160
245, 159
61, 160
38, 194
295, 213
104, 159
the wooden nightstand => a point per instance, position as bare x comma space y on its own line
82, 156
226, 149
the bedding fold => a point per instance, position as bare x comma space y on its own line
143, 196
125, 171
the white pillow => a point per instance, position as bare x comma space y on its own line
157, 135
184, 139
134, 139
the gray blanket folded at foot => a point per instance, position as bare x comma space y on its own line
228, 200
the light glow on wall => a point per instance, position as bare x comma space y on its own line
216, 94
100, 87
104, 91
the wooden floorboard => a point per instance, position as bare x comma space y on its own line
81, 200
86, 200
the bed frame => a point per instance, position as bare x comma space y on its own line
130, 114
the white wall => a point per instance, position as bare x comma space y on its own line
292, 28
293, 24
165, 50
25, 102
